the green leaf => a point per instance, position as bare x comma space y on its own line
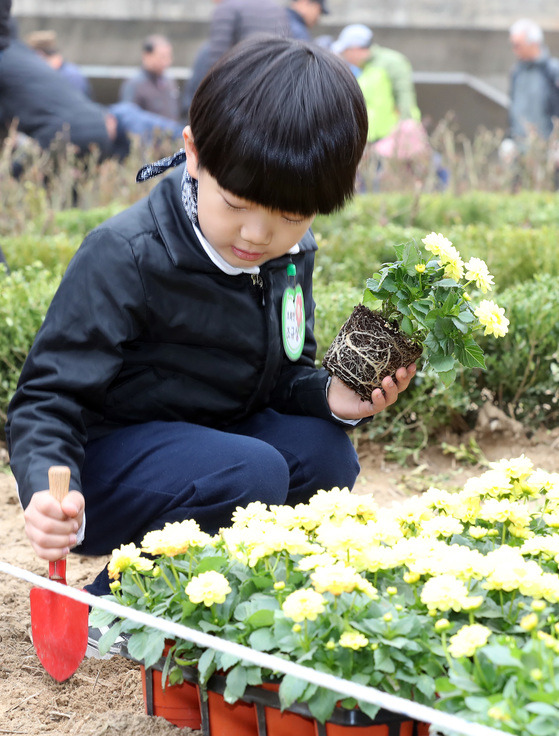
236, 683
426, 685
477, 703
147, 646
466, 316
100, 618
322, 704
406, 326
210, 563
228, 660
206, 665
447, 377
371, 301
383, 661
501, 656
264, 617
470, 354
369, 709
542, 709
290, 690
442, 363
542, 726
263, 640
457, 322
387, 283
445, 283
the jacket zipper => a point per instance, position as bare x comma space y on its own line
258, 281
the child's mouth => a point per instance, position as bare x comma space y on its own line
245, 255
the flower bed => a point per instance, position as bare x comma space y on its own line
450, 599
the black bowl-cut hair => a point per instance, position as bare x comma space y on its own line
282, 123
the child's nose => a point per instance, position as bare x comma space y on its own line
256, 231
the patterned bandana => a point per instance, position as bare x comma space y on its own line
189, 186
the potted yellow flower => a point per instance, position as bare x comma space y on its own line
450, 599
417, 305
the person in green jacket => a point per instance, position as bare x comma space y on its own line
385, 78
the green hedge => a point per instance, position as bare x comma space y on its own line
516, 235
512, 253
24, 299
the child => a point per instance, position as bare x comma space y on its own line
166, 374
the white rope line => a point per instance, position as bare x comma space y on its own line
393, 703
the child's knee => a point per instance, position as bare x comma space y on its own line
263, 477
336, 461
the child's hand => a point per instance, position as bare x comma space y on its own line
52, 525
346, 404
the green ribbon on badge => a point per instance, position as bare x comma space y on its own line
293, 316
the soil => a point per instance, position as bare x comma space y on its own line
104, 698
367, 349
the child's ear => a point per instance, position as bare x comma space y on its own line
191, 152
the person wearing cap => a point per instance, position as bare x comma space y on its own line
304, 15
45, 43
385, 77
353, 45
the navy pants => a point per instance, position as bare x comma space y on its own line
138, 478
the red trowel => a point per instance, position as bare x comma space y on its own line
59, 624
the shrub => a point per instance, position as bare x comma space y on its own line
523, 369
24, 299
513, 253
52, 251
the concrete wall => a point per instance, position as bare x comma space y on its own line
438, 36
437, 13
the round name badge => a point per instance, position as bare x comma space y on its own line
293, 322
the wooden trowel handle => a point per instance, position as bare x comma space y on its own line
59, 485
59, 481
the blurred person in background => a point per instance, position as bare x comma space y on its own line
232, 21
534, 94
44, 104
151, 89
303, 15
5, 28
385, 78
45, 43
534, 82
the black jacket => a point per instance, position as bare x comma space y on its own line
145, 327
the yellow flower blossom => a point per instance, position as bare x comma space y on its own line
254, 511
175, 538
468, 640
518, 468
208, 588
128, 557
420, 267
441, 526
476, 270
434, 242
313, 561
529, 622
303, 605
492, 317
443, 592
353, 640
335, 579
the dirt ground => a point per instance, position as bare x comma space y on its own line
104, 698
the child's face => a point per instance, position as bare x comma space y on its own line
242, 232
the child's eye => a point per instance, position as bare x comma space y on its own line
293, 220
232, 206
